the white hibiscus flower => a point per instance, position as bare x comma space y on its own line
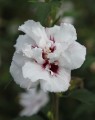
32, 101
66, 6
46, 56
67, 19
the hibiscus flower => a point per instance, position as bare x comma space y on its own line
46, 56
32, 101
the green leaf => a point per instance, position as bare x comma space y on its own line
42, 11
82, 109
83, 95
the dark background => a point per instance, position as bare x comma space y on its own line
78, 103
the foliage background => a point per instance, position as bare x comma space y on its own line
78, 103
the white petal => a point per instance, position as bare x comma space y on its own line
36, 31
19, 59
66, 35
16, 71
27, 51
51, 31
37, 55
33, 101
74, 56
24, 44
58, 83
34, 71
56, 54
22, 41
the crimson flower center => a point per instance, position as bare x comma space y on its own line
52, 67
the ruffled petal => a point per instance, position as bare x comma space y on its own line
24, 44
51, 31
16, 71
37, 55
54, 56
19, 59
36, 31
34, 71
23, 40
58, 83
66, 35
74, 56
32, 101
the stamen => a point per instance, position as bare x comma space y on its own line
52, 48
52, 39
51, 67
54, 68
45, 64
33, 46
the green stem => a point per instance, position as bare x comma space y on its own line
55, 106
